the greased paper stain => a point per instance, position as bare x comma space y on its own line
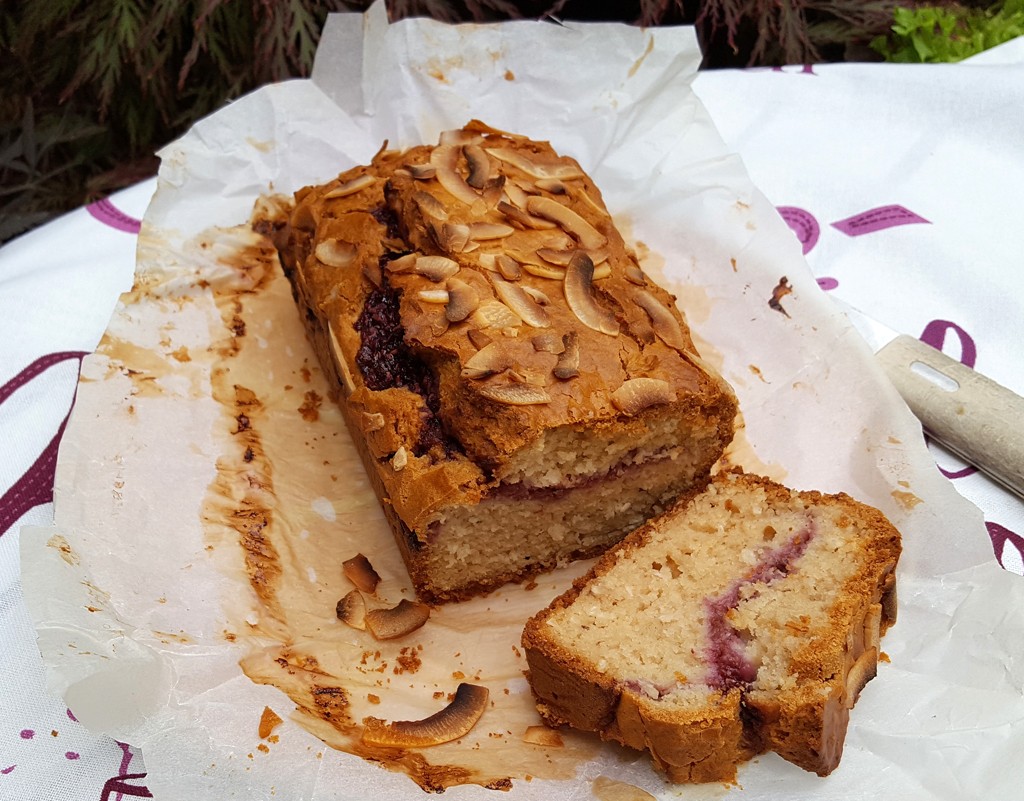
282, 472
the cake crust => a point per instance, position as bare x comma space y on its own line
805, 722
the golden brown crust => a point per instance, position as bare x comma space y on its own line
475, 280
805, 725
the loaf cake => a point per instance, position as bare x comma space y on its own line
521, 392
745, 620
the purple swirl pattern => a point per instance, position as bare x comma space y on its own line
804, 225
117, 787
108, 214
878, 219
1001, 536
35, 486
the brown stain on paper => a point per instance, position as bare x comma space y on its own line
262, 508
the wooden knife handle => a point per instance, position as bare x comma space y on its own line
976, 418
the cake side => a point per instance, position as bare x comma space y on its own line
765, 607
497, 349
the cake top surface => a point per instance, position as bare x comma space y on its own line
493, 292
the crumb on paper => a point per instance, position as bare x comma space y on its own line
509, 75
884, 657
757, 371
781, 290
542, 735
269, 721
310, 408
907, 500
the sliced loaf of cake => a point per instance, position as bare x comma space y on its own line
745, 620
521, 393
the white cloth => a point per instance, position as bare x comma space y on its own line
923, 163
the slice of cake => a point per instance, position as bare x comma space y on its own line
521, 392
743, 621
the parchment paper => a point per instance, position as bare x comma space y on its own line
143, 613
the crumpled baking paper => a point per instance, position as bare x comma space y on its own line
143, 616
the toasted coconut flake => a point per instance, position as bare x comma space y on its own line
606, 789
637, 394
463, 300
568, 365
568, 219
460, 136
489, 261
269, 721
400, 459
579, 276
516, 394
542, 735
562, 257
372, 421
403, 264
492, 192
561, 170
487, 361
451, 723
479, 166
524, 219
372, 273
451, 237
634, 274
516, 194
548, 342
537, 295
602, 271
433, 295
444, 158
665, 324
351, 610
335, 252
508, 267
360, 572
479, 339
584, 195
436, 268
430, 205
494, 314
515, 298
559, 257
545, 271
552, 185
421, 172
486, 230
397, 621
862, 671
351, 187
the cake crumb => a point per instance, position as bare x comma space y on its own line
269, 721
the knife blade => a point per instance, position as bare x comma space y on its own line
976, 418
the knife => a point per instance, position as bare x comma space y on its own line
976, 418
